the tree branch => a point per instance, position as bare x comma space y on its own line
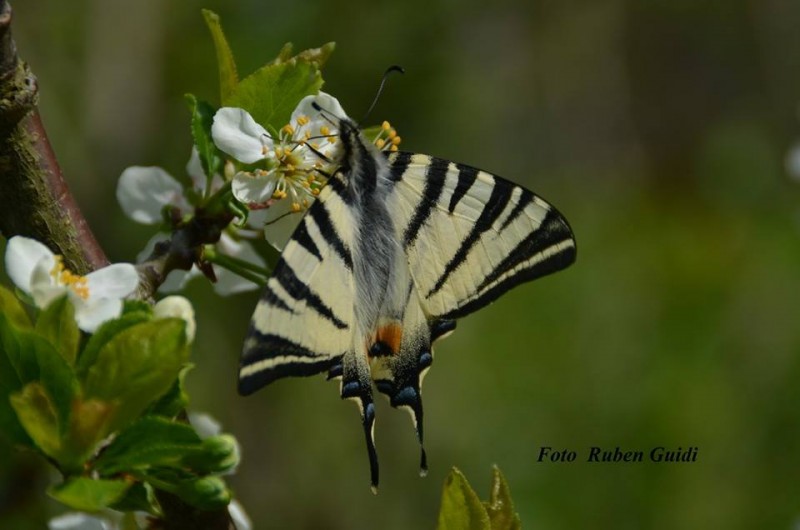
35, 201
34, 198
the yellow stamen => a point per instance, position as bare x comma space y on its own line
311, 178
393, 148
296, 207
302, 120
288, 129
392, 134
324, 130
279, 152
386, 126
63, 276
315, 191
396, 140
380, 142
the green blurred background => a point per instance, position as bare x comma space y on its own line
659, 129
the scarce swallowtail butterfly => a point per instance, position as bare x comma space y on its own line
395, 249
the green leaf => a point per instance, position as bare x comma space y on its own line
218, 454
11, 307
271, 93
207, 493
228, 78
175, 400
151, 441
202, 120
26, 357
316, 56
137, 366
37, 414
57, 324
139, 498
89, 495
9, 383
500, 507
136, 306
461, 508
89, 425
103, 335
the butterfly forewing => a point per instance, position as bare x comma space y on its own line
470, 235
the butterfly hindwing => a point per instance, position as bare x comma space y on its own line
470, 235
303, 322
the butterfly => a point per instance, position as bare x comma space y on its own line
395, 249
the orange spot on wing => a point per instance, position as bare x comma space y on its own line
390, 335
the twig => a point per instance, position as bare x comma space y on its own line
34, 198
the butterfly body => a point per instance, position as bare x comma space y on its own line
393, 251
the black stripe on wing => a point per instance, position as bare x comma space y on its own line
498, 200
298, 290
300, 361
553, 231
319, 213
466, 178
434, 184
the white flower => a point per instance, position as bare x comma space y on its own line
294, 165
144, 191
78, 521
240, 519
96, 297
177, 307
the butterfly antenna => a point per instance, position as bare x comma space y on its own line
393, 68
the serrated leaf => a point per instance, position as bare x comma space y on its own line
105, 333
316, 56
137, 366
461, 508
271, 93
11, 307
149, 442
89, 495
175, 400
57, 325
202, 120
226, 65
500, 507
37, 414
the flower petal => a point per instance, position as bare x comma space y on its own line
177, 307
77, 521
327, 103
253, 190
194, 168
115, 281
90, 314
204, 424
44, 287
280, 223
144, 191
236, 133
229, 282
23, 254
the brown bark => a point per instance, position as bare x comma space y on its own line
35, 200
